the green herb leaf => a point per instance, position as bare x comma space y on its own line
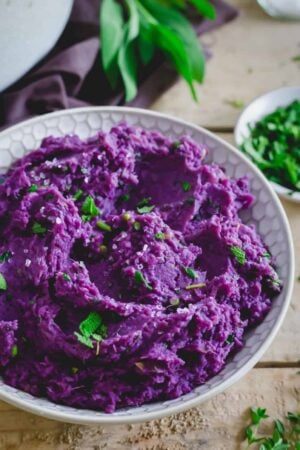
32, 188
89, 207
78, 195
126, 55
124, 198
111, 37
137, 226
3, 284
160, 236
230, 339
91, 327
205, 8
37, 228
257, 414
103, 226
236, 103
190, 272
5, 256
84, 340
239, 254
66, 277
14, 351
143, 207
140, 279
186, 186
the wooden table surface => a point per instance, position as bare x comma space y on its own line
251, 55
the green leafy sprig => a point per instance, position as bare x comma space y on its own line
132, 31
282, 436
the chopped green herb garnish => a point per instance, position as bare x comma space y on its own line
84, 340
89, 207
103, 226
273, 145
267, 255
137, 226
236, 103
143, 206
5, 257
14, 350
66, 277
230, 339
3, 284
239, 254
103, 248
175, 145
78, 194
37, 228
33, 188
195, 286
86, 218
124, 198
140, 279
91, 328
190, 272
160, 236
145, 209
186, 186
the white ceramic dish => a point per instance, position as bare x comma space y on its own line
255, 111
29, 29
267, 214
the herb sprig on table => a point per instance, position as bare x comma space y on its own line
283, 436
132, 31
274, 145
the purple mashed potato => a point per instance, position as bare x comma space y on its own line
127, 275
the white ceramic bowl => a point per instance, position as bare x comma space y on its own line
267, 214
255, 111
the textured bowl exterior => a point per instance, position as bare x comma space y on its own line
267, 214
255, 111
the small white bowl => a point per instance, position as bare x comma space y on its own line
255, 111
267, 214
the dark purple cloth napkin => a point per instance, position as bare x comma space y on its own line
71, 74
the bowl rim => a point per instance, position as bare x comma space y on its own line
281, 190
73, 417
